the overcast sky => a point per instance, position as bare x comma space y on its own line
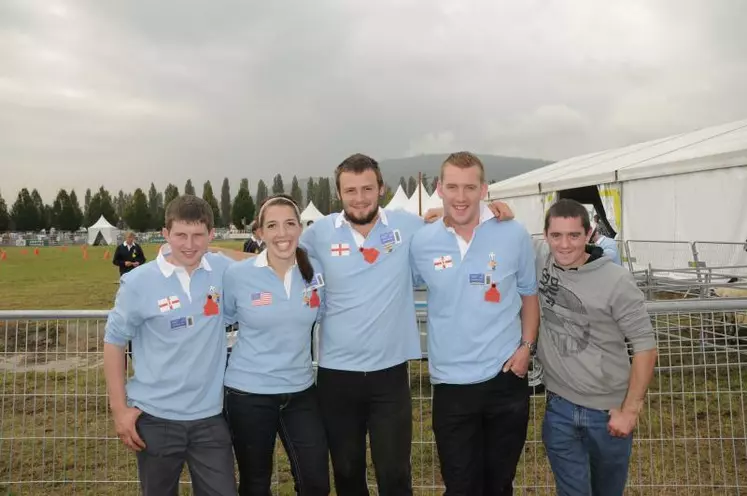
126, 92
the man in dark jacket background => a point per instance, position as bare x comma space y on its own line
128, 255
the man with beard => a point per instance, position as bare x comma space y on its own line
368, 331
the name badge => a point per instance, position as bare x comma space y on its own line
316, 282
182, 323
480, 279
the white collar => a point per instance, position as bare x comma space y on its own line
343, 220
167, 268
485, 215
261, 260
128, 246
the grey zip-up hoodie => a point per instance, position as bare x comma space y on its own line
587, 313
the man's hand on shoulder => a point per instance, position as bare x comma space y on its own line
501, 210
433, 214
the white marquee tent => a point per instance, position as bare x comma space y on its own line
398, 201
417, 200
310, 214
687, 187
102, 233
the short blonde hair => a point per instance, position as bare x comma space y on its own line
463, 160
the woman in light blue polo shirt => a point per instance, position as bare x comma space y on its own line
276, 298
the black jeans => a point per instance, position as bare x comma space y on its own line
379, 403
480, 433
205, 446
255, 419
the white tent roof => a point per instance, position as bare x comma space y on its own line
103, 227
412, 203
398, 201
433, 202
715, 147
311, 213
102, 223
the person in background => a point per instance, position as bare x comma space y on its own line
253, 244
275, 297
601, 226
128, 255
170, 411
609, 246
482, 330
590, 308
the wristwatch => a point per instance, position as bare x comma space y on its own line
531, 345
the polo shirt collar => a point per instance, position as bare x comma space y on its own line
167, 268
485, 215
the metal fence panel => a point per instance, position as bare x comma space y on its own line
734, 255
56, 434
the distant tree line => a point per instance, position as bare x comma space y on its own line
141, 211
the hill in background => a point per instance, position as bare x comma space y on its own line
497, 168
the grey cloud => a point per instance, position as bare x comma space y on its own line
174, 89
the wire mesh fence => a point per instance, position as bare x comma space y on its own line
56, 434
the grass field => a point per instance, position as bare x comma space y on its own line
56, 435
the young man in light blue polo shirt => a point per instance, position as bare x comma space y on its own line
483, 317
368, 332
170, 412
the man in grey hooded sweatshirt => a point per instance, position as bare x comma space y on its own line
590, 306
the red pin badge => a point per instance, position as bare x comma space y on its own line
493, 295
314, 300
211, 307
370, 254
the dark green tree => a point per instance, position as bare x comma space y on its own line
138, 213
242, 212
102, 204
208, 196
156, 208
403, 183
277, 185
4, 216
189, 189
225, 202
169, 194
76, 210
296, 192
412, 185
86, 204
24, 214
261, 193
310, 190
384, 200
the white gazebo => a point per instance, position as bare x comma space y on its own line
102, 233
310, 215
416, 203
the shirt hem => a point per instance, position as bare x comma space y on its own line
268, 390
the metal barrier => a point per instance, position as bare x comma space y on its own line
56, 434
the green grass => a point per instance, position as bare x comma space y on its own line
60, 278
56, 435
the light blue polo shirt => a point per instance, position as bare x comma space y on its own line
609, 246
369, 319
469, 338
272, 354
178, 337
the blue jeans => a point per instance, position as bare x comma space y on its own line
585, 459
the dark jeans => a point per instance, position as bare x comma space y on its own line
255, 419
205, 445
480, 433
586, 459
379, 403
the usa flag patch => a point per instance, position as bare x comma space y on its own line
261, 299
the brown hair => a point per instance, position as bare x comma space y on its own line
568, 209
464, 160
191, 209
358, 163
302, 258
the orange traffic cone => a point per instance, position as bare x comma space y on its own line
106, 255
85, 254
36, 251
3, 255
